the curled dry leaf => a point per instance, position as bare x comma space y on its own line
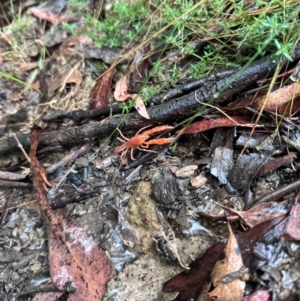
278, 98
100, 92
75, 260
190, 284
140, 106
234, 288
262, 212
53, 11
64, 67
140, 67
121, 94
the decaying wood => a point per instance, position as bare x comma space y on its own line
172, 111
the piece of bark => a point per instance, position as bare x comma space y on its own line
241, 175
177, 109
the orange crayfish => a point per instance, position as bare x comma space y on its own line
138, 141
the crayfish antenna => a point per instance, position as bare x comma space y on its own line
121, 134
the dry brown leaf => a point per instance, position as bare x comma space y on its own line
100, 92
121, 94
140, 106
234, 289
54, 12
140, 67
75, 260
292, 228
64, 67
279, 97
261, 212
70, 77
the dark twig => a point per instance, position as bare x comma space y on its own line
116, 108
69, 158
10, 176
279, 193
14, 184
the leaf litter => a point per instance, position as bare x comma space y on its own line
172, 214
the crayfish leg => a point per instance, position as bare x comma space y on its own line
131, 155
123, 154
146, 150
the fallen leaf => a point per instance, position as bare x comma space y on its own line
100, 92
278, 98
293, 224
260, 295
53, 12
140, 107
189, 284
64, 67
262, 212
121, 94
205, 125
75, 260
140, 67
234, 288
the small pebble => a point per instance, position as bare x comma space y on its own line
198, 181
186, 172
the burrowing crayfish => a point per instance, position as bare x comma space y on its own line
138, 141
